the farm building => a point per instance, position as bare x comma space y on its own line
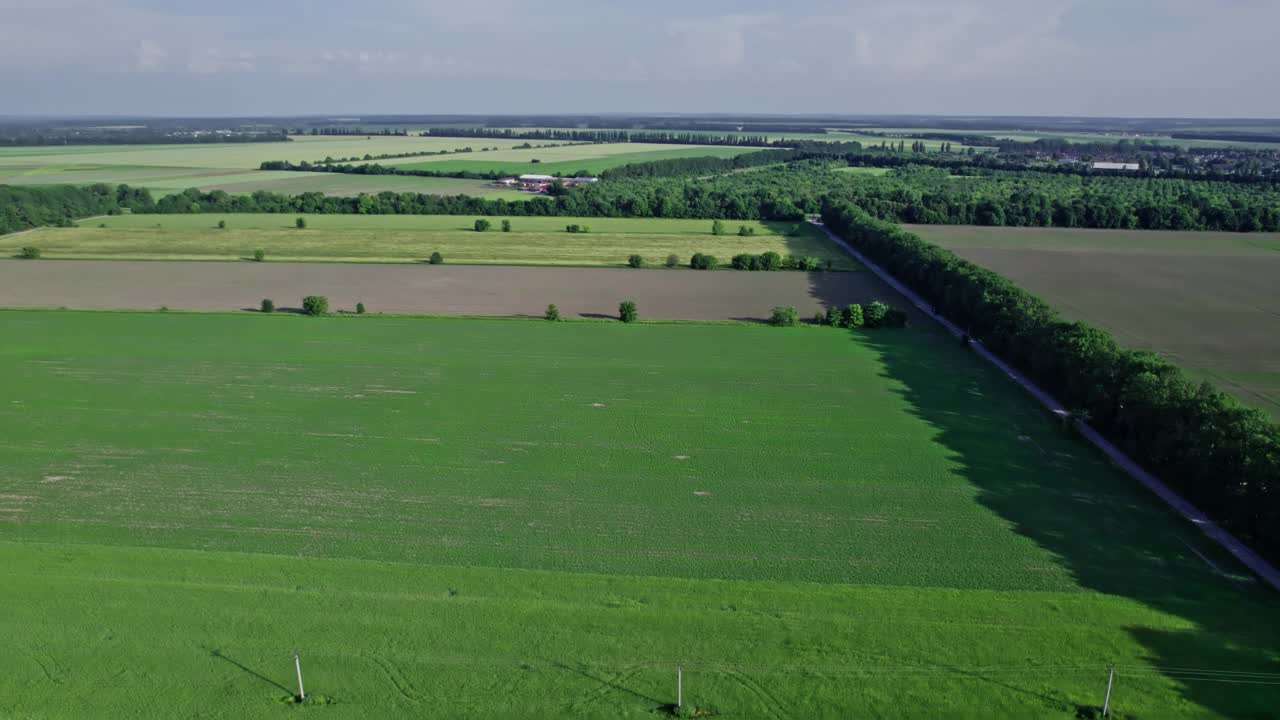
537, 178
1115, 166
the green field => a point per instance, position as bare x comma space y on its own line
519, 518
1205, 300
411, 238
565, 159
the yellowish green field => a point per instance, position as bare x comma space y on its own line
565, 159
411, 238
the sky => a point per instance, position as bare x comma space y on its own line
1165, 58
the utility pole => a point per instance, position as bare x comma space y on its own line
302, 695
1106, 704
679, 685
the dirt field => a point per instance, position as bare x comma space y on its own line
1207, 301
443, 289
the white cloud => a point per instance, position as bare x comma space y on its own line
149, 57
212, 61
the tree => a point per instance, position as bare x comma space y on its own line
636, 261
268, 305
552, 313
315, 305
746, 231
627, 311
770, 261
259, 255
506, 226
743, 261
482, 225
300, 223
222, 224
717, 228
359, 308
873, 315
436, 259
853, 316
672, 261
784, 316
30, 252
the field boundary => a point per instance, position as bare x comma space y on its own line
1250, 559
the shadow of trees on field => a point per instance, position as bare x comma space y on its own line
1109, 533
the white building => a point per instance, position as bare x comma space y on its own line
1115, 166
537, 178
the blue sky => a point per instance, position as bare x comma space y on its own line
265, 57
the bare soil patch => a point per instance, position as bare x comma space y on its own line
443, 290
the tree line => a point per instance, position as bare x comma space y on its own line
1219, 454
606, 136
23, 207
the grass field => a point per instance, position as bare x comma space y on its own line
537, 519
565, 159
411, 238
1207, 301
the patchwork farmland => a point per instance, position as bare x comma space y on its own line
1207, 301
233, 168
542, 519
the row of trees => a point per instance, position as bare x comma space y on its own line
606, 136
1221, 455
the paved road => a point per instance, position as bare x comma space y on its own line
1246, 556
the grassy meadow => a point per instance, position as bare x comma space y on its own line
412, 238
1205, 300
540, 519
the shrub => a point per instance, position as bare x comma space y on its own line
853, 316
894, 318
820, 319
572, 228
627, 311
552, 313
813, 263
742, 261
315, 305
506, 226
746, 231
268, 305
702, 262
436, 259
359, 308
29, 252
222, 224
259, 255
300, 223
672, 261
482, 225
635, 261
770, 261
873, 314
784, 316
835, 316
717, 228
